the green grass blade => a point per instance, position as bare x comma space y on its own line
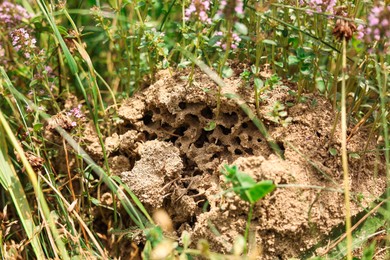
34, 182
130, 209
11, 183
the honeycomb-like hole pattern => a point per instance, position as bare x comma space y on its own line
234, 135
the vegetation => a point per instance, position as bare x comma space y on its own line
63, 64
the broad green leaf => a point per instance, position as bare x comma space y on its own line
37, 127
241, 28
270, 42
260, 190
245, 180
227, 72
259, 84
293, 60
320, 84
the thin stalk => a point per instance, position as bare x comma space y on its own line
37, 190
223, 61
381, 66
248, 224
344, 155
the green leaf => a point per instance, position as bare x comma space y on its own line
260, 190
301, 54
278, 63
270, 42
241, 28
227, 72
320, 84
147, 250
245, 180
186, 239
354, 155
210, 126
258, 83
368, 252
365, 233
293, 60
333, 151
37, 127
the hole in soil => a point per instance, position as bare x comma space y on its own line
166, 126
201, 140
318, 134
149, 136
215, 156
249, 151
128, 126
258, 140
182, 105
281, 145
173, 140
180, 131
207, 113
233, 117
205, 205
244, 125
238, 152
189, 164
192, 118
238, 140
147, 119
200, 200
225, 131
197, 172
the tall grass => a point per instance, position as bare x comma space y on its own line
101, 52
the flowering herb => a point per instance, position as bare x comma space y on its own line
12, 15
199, 10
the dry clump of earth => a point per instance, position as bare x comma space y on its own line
164, 153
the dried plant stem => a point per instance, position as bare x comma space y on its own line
344, 155
382, 83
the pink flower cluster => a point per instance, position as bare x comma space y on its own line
22, 41
12, 15
76, 113
231, 8
236, 39
378, 23
326, 6
198, 9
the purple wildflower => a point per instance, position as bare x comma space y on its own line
320, 6
377, 28
235, 41
198, 9
12, 15
22, 41
76, 112
230, 9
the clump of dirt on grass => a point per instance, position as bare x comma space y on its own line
175, 163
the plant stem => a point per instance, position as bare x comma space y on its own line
380, 66
248, 225
344, 155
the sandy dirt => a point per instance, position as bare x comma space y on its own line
164, 154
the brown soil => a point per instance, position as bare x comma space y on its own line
170, 161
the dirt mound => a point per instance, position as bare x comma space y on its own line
174, 163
